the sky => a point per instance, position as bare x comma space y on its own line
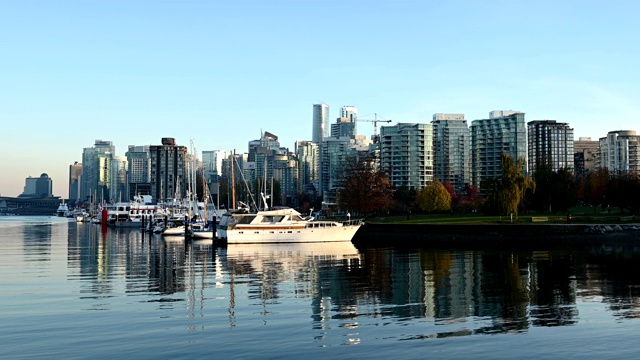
218, 73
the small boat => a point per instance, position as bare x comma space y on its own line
283, 225
200, 230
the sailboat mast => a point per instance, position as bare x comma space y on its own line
233, 181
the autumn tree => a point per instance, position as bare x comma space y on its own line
470, 199
508, 191
455, 198
366, 189
434, 197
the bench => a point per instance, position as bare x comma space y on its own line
539, 218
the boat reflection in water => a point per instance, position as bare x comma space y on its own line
300, 251
281, 276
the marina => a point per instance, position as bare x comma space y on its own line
74, 291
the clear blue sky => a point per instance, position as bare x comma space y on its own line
220, 72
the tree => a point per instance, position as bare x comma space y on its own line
624, 192
470, 199
434, 197
554, 190
514, 184
540, 200
455, 198
564, 190
366, 188
507, 193
404, 199
596, 187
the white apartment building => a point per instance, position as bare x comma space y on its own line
406, 153
619, 152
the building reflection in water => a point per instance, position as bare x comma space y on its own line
459, 292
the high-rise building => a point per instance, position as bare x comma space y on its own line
406, 153
75, 177
585, 152
320, 122
308, 154
138, 171
501, 113
351, 113
212, 161
44, 186
619, 152
95, 171
550, 145
285, 172
40, 187
29, 186
343, 126
168, 170
451, 146
333, 154
264, 153
118, 179
490, 138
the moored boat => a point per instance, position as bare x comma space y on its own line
282, 226
201, 230
131, 214
62, 210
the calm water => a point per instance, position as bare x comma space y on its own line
69, 291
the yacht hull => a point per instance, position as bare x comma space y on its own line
302, 235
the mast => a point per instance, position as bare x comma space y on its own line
233, 181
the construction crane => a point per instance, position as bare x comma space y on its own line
375, 122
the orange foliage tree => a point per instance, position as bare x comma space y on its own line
366, 189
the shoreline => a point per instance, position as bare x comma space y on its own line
498, 236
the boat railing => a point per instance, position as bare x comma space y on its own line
352, 222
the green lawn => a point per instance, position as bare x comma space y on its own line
579, 215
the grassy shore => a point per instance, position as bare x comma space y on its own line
579, 215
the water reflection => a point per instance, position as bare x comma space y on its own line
454, 292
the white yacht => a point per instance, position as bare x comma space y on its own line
282, 226
63, 209
130, 214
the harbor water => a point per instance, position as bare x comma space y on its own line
71, 291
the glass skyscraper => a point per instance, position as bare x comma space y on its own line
451, 146
95, 170
320, 122
490, 138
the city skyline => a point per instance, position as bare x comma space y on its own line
219, 74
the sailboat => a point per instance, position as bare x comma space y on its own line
204, 229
